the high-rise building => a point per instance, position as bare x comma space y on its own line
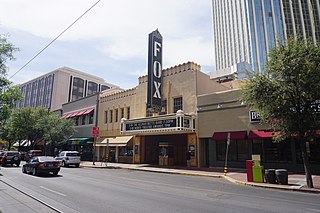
60, 86
246, 30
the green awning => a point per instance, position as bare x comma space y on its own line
78, 139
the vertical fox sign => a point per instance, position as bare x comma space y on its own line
154, 71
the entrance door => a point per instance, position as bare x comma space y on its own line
152, 152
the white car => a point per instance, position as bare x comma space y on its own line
67, 158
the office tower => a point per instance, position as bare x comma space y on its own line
60, 86
246, 30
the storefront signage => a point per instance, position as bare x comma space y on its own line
254, 117
154, 71
158, 124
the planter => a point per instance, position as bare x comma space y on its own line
282, 176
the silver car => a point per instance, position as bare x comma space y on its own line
67, 158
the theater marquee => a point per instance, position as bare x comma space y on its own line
154, 71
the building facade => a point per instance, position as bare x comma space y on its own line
60, 86
246, 30
222, 113
84, 114
130, 133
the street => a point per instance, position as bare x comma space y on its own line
120, 190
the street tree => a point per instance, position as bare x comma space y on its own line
55, 128
8, 93
39, 123
287, 95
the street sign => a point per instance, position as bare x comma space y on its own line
95, 132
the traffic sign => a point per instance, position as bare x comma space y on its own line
95, 132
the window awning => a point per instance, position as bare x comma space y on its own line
261, 134
83, 112
87, 111
234, 135
117, 141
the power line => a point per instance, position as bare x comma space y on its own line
54, 39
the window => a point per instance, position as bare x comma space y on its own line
77, 88
122, 112
106, 117
91, 117
163, 107
238, 150
92, 88
104, 87
177, 104
116, 115
83, 119
111, 116
128, 113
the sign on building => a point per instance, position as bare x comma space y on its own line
154, 71
254, 116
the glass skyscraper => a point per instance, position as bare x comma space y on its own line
246, 30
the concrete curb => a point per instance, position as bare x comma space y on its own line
213, 176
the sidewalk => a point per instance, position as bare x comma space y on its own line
296, 182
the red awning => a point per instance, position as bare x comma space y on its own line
87, 111
261, 134
235, 135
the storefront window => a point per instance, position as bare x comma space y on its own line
277, 152
125, 151
238, 150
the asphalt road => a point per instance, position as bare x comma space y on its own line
119, 190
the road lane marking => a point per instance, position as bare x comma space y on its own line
50, 190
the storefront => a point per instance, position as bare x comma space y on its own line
223, 113
162, 140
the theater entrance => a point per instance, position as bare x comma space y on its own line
156, 149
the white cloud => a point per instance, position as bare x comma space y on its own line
117, 30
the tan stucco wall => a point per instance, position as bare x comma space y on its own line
182, 80
231, 116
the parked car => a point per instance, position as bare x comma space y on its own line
67, 158
41, 165
32, 153
10, 157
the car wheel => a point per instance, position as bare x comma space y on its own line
55, 173
34, 171
64, 164
77, 165
18, 164
24, 169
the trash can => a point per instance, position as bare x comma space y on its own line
257, 174
249, 164
270, 175
282, 176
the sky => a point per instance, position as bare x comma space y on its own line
110, 41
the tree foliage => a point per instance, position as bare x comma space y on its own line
287, 95
38, 123
8, 94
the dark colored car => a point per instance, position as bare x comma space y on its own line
10, 158
41, 165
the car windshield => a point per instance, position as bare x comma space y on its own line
73, 154
46, 158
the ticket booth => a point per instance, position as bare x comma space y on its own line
166, 157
